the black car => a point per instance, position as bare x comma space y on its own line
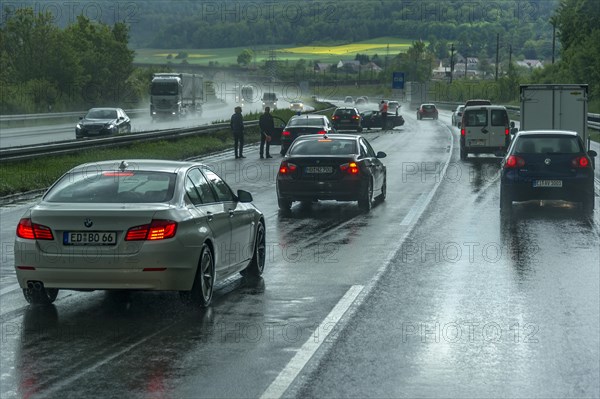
340, 167
103, 121
372, 119
346, 118
300, 125
547, 165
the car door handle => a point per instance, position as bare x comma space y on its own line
209, 216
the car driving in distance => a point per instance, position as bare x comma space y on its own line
269, 100
393, 107
547, 165
346, 118
457, 115
340, 167
150, 225
300, 125
348, 100
103, 122
427, 111
297, 106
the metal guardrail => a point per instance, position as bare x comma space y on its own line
55, 115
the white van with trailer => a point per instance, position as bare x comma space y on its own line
485, 129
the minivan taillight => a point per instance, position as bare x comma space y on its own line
32, 231
580, 162
514, 161
506, 131
156, 230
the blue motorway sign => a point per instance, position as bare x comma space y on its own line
398, 80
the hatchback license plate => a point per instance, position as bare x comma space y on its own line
547, 183
318, 169
89, 238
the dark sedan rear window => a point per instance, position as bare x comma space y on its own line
324, 147
113, 187
344, 112
306, 122
548, 145
429, 107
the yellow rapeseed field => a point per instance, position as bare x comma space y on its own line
345, 49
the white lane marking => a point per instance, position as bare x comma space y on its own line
9, 289
416, 209
305, 353
50, 391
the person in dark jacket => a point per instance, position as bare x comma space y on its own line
237, 127
267, 125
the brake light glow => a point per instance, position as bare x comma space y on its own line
117, 174
355, 117
157, 230
462, 132
335, 117
286, 133
286, 168
580, 162
351, 168
506, 131
514, 161
32, 231
321, 132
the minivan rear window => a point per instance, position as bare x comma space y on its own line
499, 117
476, 118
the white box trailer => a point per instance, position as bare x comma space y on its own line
555, 107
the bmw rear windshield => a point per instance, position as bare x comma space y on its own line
324, 147
306, 122
92, 186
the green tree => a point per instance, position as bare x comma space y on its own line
245, 57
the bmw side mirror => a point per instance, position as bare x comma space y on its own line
592, 153
244, 196
381, 154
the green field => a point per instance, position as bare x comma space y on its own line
330, 53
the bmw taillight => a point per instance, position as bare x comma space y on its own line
286, 133
350, 167
286, 168
506, 131
580, 162
462, 132
156, 230
514, 161
33, 231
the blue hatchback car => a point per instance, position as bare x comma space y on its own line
547, 165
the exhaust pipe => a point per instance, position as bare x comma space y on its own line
35, 285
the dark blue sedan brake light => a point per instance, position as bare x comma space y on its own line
514, 161
580, 162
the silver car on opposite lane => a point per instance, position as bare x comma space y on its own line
138, 225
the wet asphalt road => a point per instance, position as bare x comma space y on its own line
446, 299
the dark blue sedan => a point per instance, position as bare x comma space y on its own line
547, 165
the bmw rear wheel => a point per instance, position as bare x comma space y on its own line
257, 264
366, 202
204, 282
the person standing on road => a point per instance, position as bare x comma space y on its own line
266, 125
383, 109
237, 127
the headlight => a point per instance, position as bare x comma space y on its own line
110, 126
78, 126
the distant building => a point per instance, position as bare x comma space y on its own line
354, 65
532, 64
371, 66
441, 72
321, 67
